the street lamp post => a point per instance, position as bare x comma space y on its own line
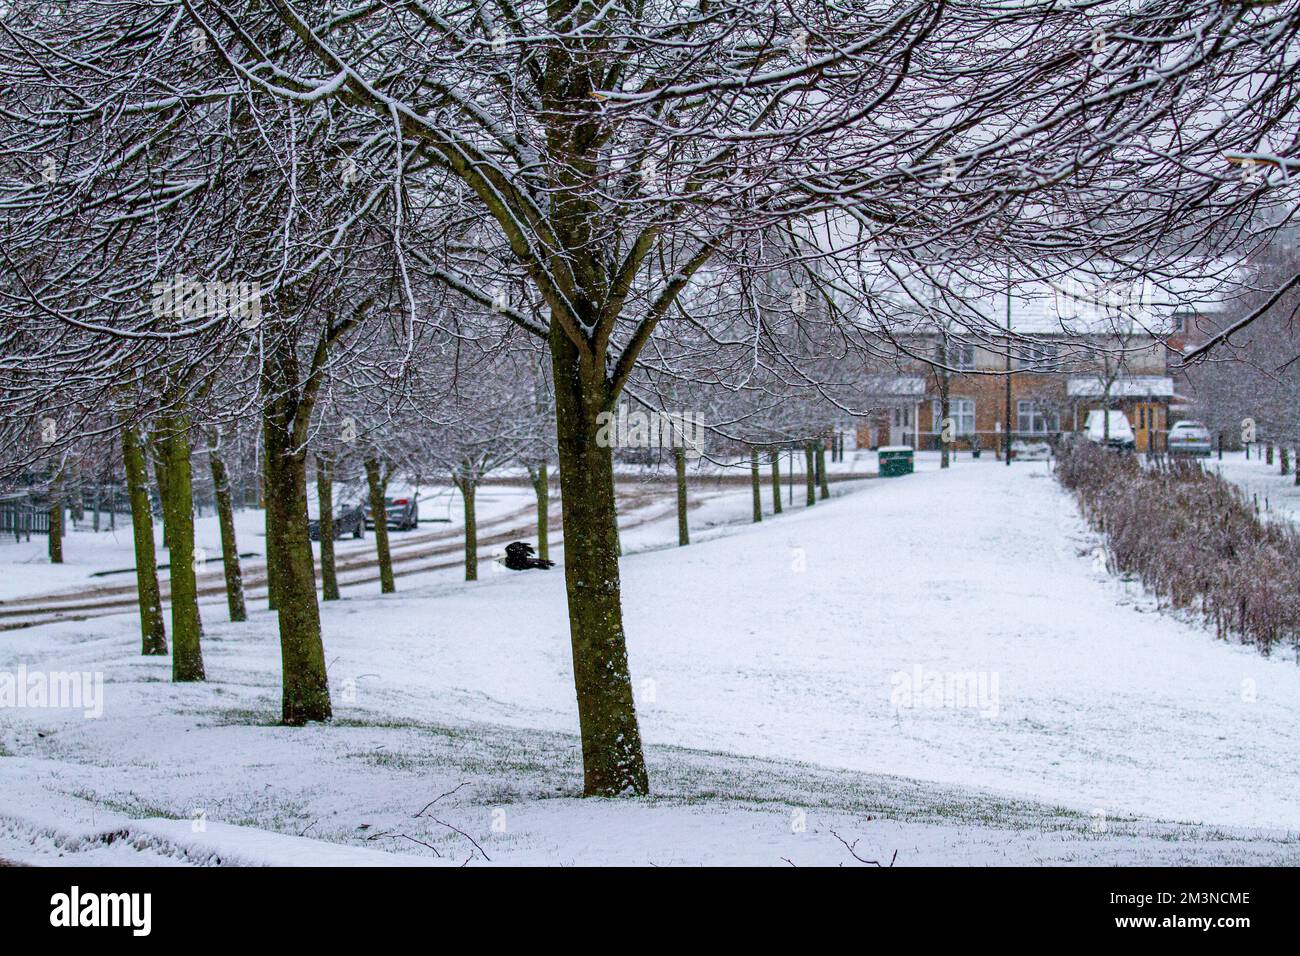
1007, 415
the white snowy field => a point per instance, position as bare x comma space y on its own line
1276, 494
783, 675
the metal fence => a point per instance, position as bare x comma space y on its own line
990, 441
22, 517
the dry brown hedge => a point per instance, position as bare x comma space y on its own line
1192, 539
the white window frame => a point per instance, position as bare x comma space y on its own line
962, 413
959, 356
1040, 354
1027, 407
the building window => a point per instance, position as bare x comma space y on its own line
962, 413
1034, 419
958, 356
1039, 355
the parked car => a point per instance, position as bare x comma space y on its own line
1190, 438
1119, 434
403, 514
1030, 450
348, 519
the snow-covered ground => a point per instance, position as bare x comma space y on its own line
1277, 495
784, 676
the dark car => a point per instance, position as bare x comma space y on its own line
349, 519
403, 514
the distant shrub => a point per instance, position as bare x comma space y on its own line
1192, 539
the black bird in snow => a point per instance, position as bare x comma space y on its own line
519, 557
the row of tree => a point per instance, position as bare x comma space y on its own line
386, 214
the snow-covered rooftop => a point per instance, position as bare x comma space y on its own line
1075, 305
894, 386
1133, 386
1078, 307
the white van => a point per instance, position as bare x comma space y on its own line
1120, 431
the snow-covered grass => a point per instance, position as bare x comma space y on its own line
769, 664
1276, 494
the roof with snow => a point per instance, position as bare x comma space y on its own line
1134, 386
894, 386
1073, 307
1077, 304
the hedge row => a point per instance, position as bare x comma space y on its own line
1192, 539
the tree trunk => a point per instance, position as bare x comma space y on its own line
268, 517
261, 475
229, 547
683, 526
789, 498
54, 540
153, 631
329, 577
775, 458
612, 757
269, 524
541, 485
810, 479
156, 452
378, 484
178, 511
945, 439
467, 489
77, 501
305, 694
756, 483
822, 478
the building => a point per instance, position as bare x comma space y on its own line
1070, 352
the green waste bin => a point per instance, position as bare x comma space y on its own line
895, 460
